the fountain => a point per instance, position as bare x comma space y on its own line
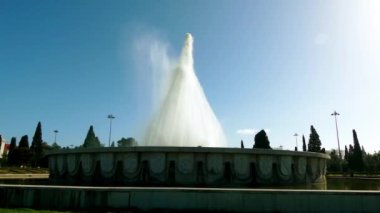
185, 146
185, 117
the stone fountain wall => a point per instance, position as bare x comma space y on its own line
186, 166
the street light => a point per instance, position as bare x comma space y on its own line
110, 116
295, 135
337, 134
55, 136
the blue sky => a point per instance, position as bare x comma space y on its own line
276, 65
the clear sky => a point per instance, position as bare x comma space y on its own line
275, 65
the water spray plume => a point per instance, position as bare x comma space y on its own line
185, 117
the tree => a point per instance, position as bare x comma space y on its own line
333, 165
350, 159
24, 142
36, 147
261, 140
303, 144
113, 144
91, 140
346, 153
363, 151
350, 151
126, 142
22, 153
314, 141
357, 156
372, 162
242, 144
55, 146
11, 159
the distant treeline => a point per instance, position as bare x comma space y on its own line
34, 155
355, 159
314, 145
25, 155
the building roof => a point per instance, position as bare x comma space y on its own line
6, 146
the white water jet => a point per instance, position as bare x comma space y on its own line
185, 117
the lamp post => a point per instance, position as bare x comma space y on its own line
337, 134
55, 136
295, 135
110, 116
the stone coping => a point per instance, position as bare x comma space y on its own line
153, 149
170, 199
189, 189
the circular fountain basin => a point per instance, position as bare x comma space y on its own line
185, 166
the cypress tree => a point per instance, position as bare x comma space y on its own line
91, 140
242, 144
303, 143
350, 151
23, 154
261, 140
314, 141
350, 158
36, 147
24, 142
12, 147
97, 141
357, 157
363, 151
346, 153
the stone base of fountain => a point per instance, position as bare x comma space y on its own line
185, 166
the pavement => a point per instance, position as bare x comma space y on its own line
24, 176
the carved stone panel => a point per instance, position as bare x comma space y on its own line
301, 166
322, 167
130, 163
157, 162
187, 166
285, 169
214, 163
265, 166
72, 164
87, 164
186, 163
61, 164
52, 164
107, 164
241, 165
313, 168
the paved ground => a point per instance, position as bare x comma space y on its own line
23, 176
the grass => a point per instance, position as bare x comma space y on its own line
17, 170
2, 210
356, 175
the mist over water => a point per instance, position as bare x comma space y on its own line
184, 117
